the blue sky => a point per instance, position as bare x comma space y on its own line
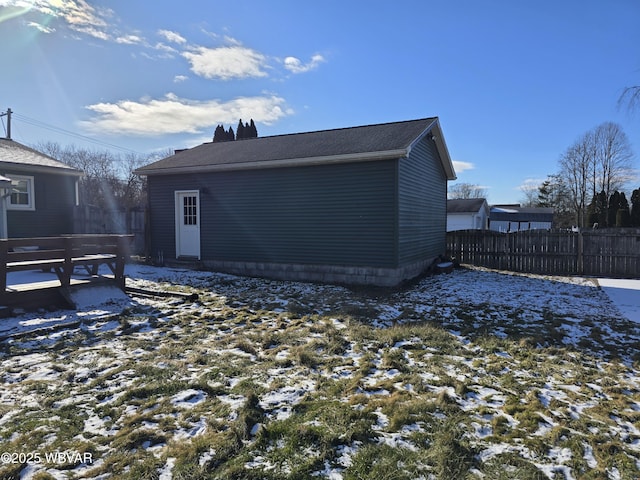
514, 83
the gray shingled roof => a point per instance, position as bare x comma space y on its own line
522, 214
388, 140
465, 205
18, 156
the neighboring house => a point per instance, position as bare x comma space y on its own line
38, 195
514, 218
360, 205
467, 214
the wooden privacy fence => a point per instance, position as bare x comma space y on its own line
606, 252
89, 219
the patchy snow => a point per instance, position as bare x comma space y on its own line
188, 398
280, 401
165, 472
240, 342
93, 302
198, 428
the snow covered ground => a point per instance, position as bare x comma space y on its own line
625, 294
477, 373
97, 302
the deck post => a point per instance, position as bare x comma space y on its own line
3, 262
121, 256
67, 269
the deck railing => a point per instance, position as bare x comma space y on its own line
63, 254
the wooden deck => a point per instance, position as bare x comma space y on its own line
38, 272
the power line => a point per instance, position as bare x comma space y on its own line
38, 123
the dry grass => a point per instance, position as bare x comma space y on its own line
249, 383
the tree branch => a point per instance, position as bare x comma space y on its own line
630, 98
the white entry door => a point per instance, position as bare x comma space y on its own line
188, 224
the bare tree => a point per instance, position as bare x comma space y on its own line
109, 182
575, 170
530, 194
613, 158
99, 184
466, 190
630, 97
53, 149
600, 160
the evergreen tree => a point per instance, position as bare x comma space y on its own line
553, 193
597, 210
623, 217
635, 208
219, 135
614, 206
545, 194
241, 131
245, 130
593, 215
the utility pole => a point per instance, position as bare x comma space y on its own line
8, 115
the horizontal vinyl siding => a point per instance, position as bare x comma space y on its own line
330, 214
54, 206
460, 221
161, 194
422, 204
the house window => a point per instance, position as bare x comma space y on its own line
22, 193
190, 210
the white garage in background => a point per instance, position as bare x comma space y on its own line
467, 214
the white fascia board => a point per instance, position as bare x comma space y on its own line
441, 147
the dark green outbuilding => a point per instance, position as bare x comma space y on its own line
360, 205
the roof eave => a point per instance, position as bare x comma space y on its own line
441, 147
25, 167
289, 162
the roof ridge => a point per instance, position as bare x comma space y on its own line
291, 134
375, 141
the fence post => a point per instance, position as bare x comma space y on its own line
580, 259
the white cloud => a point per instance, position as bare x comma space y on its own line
460, 167
295, 65
172, 37
74, 12
530, 184
174, 115
42, 28
165, 48
232, 41
129, 39
226, 63
77, 15
180, 78
79, 12
93, 32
